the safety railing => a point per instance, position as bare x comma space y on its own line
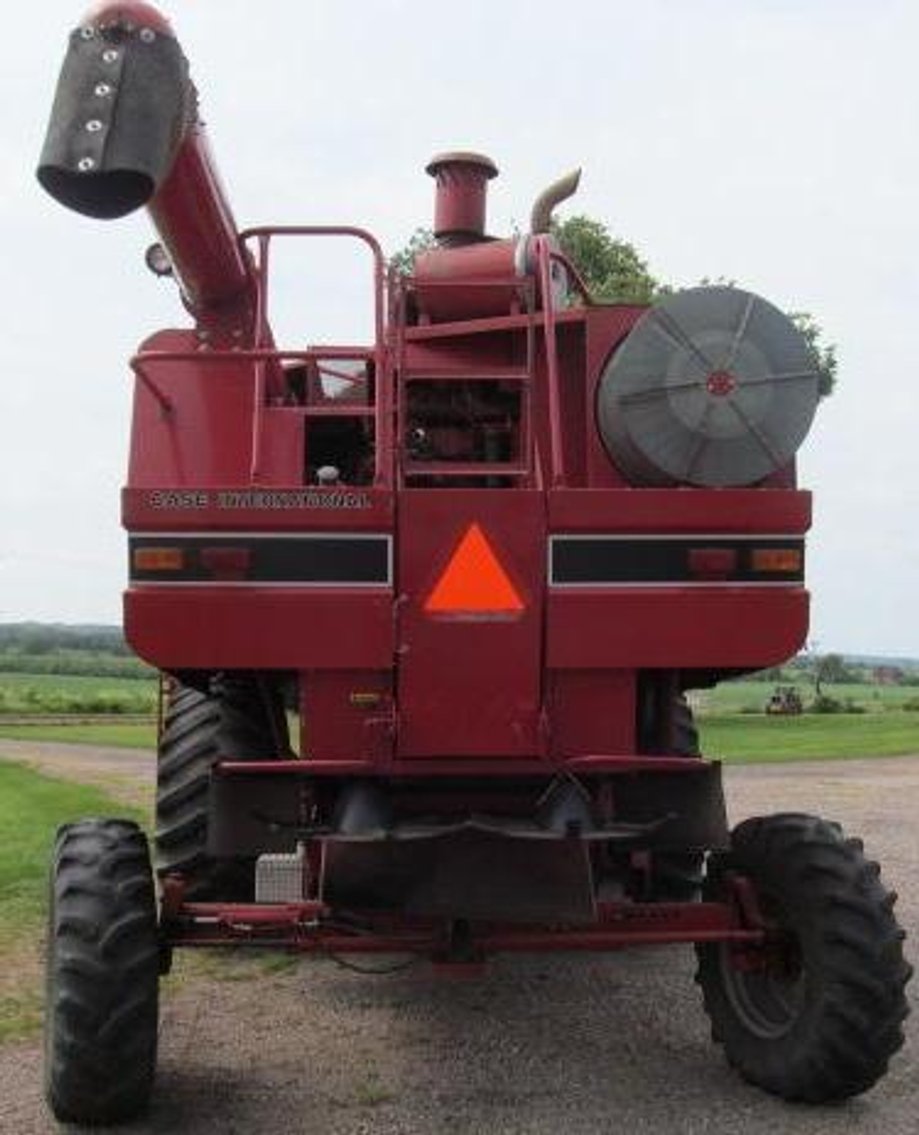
263, 355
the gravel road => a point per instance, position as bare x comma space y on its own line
540, 1045
126, 774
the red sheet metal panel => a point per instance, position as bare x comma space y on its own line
193, 421
349, 716
592, 711
673, 627
469, 681
659, 511
198, 627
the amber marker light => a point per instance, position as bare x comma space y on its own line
158, 559
785, 561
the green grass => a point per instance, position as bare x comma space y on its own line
71, 682
744, 738
121, 735
72, 693
32, 806
734, 727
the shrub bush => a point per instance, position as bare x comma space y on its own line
826, 704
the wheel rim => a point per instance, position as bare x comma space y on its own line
767, 986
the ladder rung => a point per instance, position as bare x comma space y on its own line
467, 374
463, 469
342, 411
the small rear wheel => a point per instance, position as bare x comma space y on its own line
102, 974
816, 1012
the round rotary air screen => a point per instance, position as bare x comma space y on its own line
713, 386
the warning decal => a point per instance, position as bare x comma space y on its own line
474, 581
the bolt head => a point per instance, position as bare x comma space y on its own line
103, 90
84, 165
110, 56
721, 383
147, 35
94, 125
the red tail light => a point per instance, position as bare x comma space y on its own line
226, 563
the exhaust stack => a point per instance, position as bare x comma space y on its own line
124, 133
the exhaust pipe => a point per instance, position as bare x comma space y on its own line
553, 195
124, 133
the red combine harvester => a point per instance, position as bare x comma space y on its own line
482, 558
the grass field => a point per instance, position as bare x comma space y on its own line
732, 724
741, 738
31, 808
22, 694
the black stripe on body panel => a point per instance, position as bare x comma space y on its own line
585, 560
318, 560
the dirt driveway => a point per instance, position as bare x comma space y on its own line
540, 1045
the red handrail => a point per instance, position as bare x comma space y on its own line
264, 353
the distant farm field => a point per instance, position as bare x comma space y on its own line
744, 696
44, 694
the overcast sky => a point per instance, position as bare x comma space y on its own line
769, 141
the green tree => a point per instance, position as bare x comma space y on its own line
612, 268
824, 353
402, 262
832, 668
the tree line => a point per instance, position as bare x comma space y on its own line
56, 648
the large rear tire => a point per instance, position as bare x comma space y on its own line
102, 974
238, 718
815, 1013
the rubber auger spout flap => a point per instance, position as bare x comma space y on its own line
124, 132
123, 102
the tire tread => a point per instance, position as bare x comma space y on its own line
855, 1002
103, 967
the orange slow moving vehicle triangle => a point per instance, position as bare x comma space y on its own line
474, 580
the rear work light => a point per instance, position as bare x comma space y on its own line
158, 559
